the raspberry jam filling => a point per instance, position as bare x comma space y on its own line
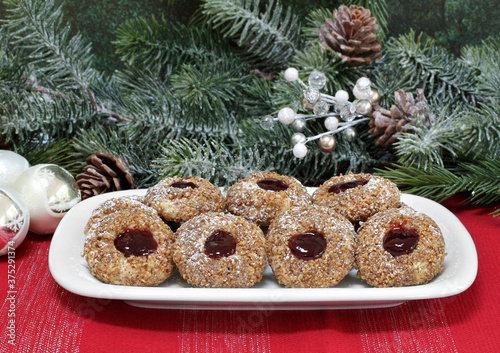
339, 187
400, 240
220, 244
184, 185
272, 184
309, 245
136, 242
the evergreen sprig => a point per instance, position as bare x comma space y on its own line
476, 132
221, 164
193, 95
267, 35
136, 153
483, 59
157, 45
423, 146
207, 89
44, 118
441, 76
62, 61
480, 180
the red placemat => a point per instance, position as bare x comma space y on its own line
47, 318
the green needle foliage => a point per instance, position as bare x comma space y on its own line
442, 76
480, 180
62, 60
188, 98
267, 38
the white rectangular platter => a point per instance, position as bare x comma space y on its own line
70, 271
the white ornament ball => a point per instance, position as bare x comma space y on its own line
286, 116
14, 220
341, 97
300, 150
332, 123
49, 191
291, 74
11, 166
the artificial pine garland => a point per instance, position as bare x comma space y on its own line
188, 100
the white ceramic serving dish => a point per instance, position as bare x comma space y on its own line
70, 270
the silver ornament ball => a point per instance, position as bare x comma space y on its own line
351, 134
50, 192
14, 220
327, 143
299, 125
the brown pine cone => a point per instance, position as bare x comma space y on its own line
104, 173
352, 35
389, 124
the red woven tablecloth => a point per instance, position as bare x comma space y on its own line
51, 319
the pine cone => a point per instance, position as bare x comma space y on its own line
104, 173
389, 124
352, 35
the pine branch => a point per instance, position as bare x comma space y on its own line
483, 59
480, 180
11, 67
267, 39
437, 72
207, 89
387, 77
63, 61
314, 21
476, 132
137, 154
158, 114
436, 182
42, 118
207, 158
58, 95
422, 146
484, 180
158, 44
58, 152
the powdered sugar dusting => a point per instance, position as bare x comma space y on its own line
242, 269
